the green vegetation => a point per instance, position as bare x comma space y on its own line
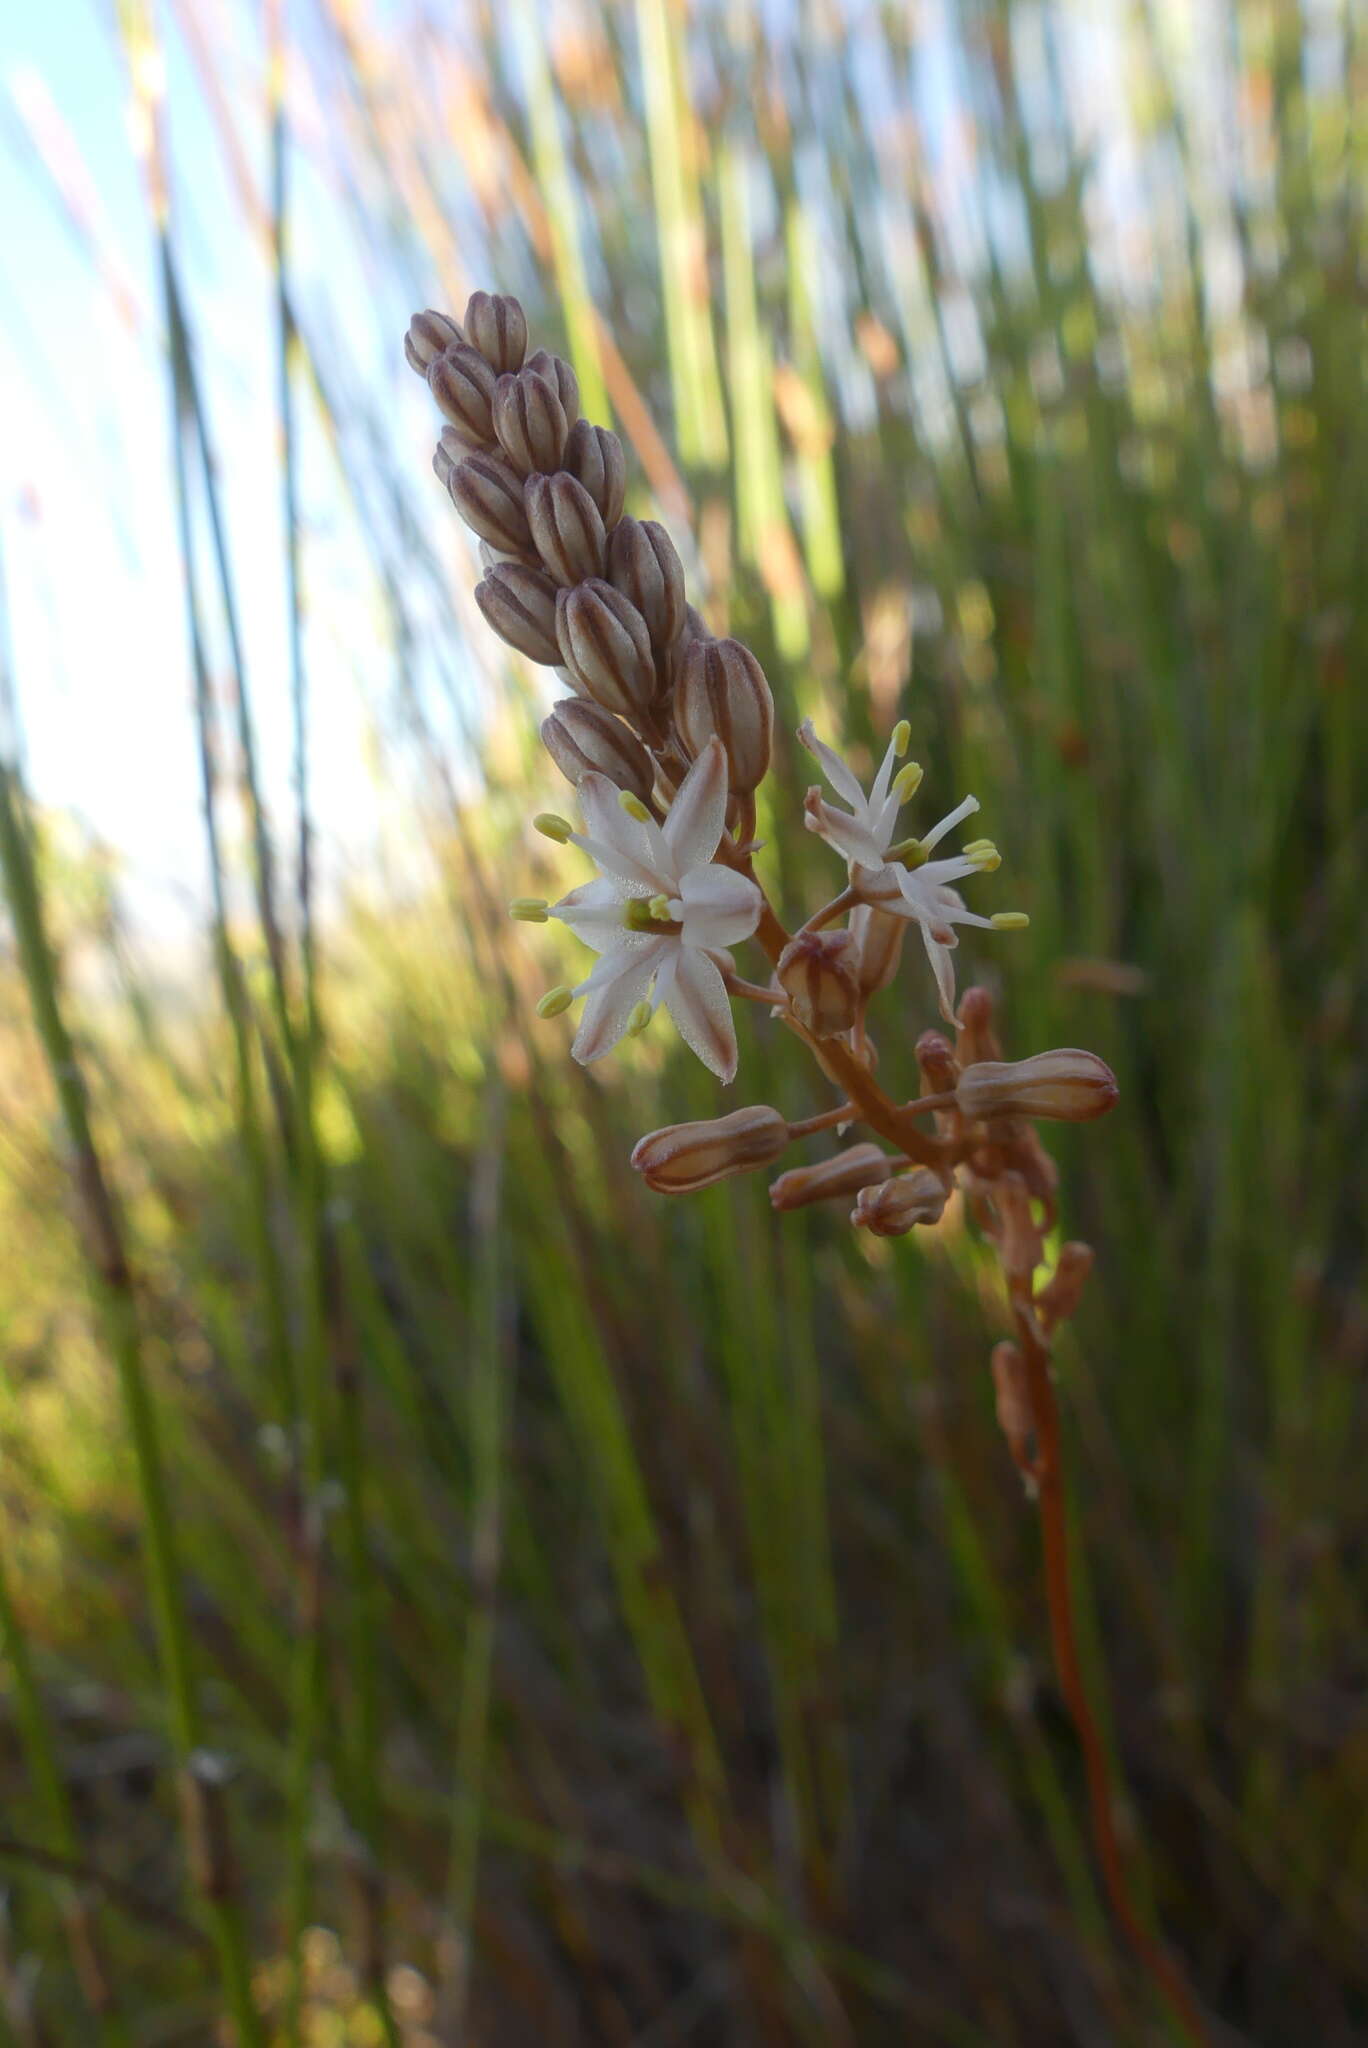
607, 1620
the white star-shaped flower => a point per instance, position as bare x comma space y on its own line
659, 915
908, 884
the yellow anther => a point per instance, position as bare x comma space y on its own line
902, 738
907, 780
984, 855
555, 1000
638, 1020
552, 827
1010, 920
633, 806
659, 907
529, 909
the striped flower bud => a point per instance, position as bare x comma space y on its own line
1058, 1299
449, 451
462, 383
879, 936
896, 1206
593, 455
560, 377
497, 327
859, 1166
684, 1157
429, 334
584, 739
529, 421
936, 1059
606, 646
489, 497
1065, 1084
722, 689
818, 970
644, 565
567, 528
520, 604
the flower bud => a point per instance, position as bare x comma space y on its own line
722, 689
583, 739
428, 335
859, 1166
593, 455
894, 1207
462, 383
685, 1157
497, 327
1069, 1085
520, 604
976, 1038
562, 379
818, 972
879, 937
936, 1060
529, 421
1060, 1296
643, 565
449, 451
1012, 1400
489, 497
606, 647
567, 528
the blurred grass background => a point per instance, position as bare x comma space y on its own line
617, 1621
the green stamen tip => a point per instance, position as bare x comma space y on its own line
659, 907
910, 852
902, 738
552, 827
984, 855
1010, 921
639, 1019
907, 780
633, 806
529, 909
555, 1000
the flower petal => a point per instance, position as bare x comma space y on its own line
720, 907
942, 960
696, 997
694, 821
948, 823
614, 989
594, 913
841, 778
878, 790
622, 846
847, 835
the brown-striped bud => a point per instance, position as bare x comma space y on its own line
489, 497
584, 739
644, 565
818, 971
894, 1207
685, 1157
567, 528
976, 1040
462, 383
428, 335
560, 377
936, 1059
606, 646
879, 936
520, 604
529, 421
594, 456
449, 451
497, 327
845, 1173
1060, 1296
722, 689
1065, 1084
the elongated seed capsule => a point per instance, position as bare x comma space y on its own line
428, 335
818, 970
1065, 1084
645, 566
567, 528
462, 383
896, 1206
520, 604
722, 689
606, 647
497, 326
593, 456
845, 1173
529, 421
583, 739
488, 494
685, 1157
560, 377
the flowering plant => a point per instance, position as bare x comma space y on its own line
666, 735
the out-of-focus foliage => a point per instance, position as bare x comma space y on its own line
680, 1635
